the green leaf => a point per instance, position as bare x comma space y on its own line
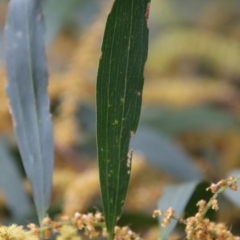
29, 102
119, 97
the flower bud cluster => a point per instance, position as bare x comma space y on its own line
198, 227
92, 225
167, 216
88, 223
230, 181
125, 233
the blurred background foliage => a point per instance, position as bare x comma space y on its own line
190, 122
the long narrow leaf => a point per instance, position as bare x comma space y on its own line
119, 96
27, 83
165, 154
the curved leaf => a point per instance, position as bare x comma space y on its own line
26, 89
119, 97
161, 152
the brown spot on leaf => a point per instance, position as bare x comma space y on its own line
147, 14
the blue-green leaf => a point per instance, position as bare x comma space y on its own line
166, 155
177, 197
29, 102
11, 183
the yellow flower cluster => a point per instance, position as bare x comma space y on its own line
15, 232
125, 233
68, 232
199, 230
91, 225
67, 228
198, 227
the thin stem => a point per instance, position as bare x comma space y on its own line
215, 196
